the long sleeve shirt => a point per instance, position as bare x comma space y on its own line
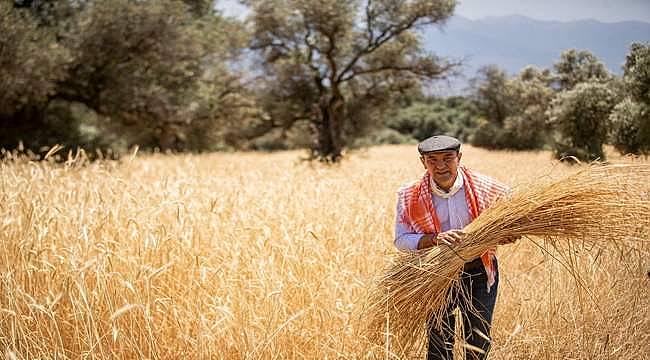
452, 213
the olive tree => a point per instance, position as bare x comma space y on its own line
530, 97
335, 64
512, 109
580, 117
578, 66
31, 62
124, 72
631, 117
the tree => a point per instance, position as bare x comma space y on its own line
135, 64
637, 72
631, 117
32, 63
512, 110
580, 117
490, 94
492, 102
151, 73
452, 116
630, 127
336, 63
579, 66
530, 97
25, 45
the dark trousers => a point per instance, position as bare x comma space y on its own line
476, 320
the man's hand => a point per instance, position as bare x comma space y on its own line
426, 241
451, 238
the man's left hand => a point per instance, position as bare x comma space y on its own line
451, 237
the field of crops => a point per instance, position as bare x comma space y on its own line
250, 255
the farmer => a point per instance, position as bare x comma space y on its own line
432, 212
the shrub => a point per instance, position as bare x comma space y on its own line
580, 118
435, 116
631, 117
630, 127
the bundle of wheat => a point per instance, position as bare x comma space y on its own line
592, 207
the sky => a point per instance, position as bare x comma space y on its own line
559, 10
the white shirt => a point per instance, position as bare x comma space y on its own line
452, 213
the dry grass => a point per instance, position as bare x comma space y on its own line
258, 256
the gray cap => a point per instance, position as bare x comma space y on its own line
439, 143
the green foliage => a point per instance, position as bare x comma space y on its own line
512, 110
392, 137
631, 118
581, 118
579, 66
489, 135
637, 72
157, 73
30, 60
631, 127
515, 111
338, 65
383, 136
32, 64
451, 116
134, 63
490, 94
530, 97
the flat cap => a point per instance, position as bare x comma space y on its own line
438, 143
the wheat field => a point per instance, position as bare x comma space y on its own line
262, 256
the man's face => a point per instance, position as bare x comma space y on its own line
442, 166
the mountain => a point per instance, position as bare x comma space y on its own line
514, 41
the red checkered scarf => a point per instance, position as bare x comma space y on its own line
419, 212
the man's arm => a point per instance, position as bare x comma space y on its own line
405, 236
415, 241
407, 239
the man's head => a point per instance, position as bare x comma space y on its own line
441, 155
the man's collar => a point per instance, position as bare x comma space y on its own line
458, 184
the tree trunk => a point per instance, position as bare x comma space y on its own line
330, 128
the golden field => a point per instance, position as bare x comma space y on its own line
249, 255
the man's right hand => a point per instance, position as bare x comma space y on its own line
426, 241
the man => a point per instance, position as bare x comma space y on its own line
432, 212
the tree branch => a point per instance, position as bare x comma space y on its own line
369, 19
386, 35
404, 68
311, 50
329, 55
271, 44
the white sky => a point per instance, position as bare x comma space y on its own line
561, 10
